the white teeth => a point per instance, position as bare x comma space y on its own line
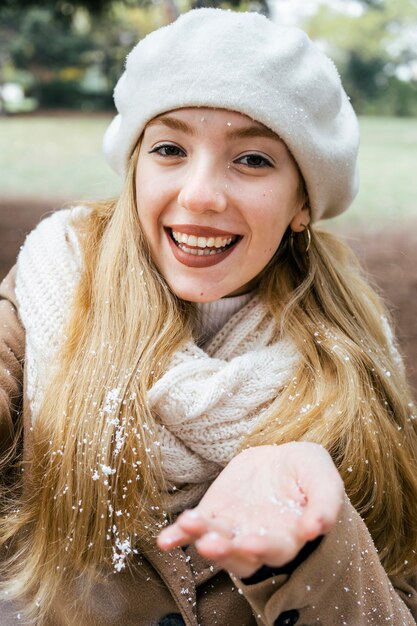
200, 251
191, 240
202, 242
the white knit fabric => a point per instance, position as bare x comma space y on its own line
212, 316
206, 401
244, 62
48, 268
209, 400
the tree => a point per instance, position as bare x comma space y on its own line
370, 52
68, 61
71, 51
61, 8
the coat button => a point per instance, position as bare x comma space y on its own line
173, 619
288, 618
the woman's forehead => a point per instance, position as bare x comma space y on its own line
190, 118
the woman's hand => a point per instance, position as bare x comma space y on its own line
265, 505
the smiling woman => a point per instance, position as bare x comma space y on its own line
213, 398
228, 190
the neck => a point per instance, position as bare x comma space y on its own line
212, 316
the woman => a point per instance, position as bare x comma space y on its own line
196, 344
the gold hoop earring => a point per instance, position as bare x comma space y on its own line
307, 232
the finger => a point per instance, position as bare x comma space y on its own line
241, 569
217, 548
193, 523
172, 537
324, 492
320, 520
196, 523
190, 526
214, 546
269, 549
322, 511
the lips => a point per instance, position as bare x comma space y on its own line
197, 246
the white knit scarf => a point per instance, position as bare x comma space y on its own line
206, 401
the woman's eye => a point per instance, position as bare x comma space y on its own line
167, 150
254, 160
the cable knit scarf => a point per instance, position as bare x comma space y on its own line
206, 401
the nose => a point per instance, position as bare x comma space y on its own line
203, 189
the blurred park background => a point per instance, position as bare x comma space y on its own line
59, 62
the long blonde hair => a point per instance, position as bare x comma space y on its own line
95, 481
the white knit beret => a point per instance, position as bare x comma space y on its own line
244, 62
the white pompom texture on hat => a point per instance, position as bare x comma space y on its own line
246, 63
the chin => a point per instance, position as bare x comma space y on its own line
199, 299
199, 295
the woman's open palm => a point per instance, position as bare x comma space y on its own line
262, 508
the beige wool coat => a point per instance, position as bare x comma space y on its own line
340, 583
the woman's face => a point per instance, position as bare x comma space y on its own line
216, 192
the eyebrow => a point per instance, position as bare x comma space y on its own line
173, 123
236, 133
253, 131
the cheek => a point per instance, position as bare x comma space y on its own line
267, 222
268, 226
272, 210
146, 202
154, 192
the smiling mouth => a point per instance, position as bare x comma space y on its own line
202, 246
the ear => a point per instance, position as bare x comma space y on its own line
301, 220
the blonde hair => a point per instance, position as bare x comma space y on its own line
349, 395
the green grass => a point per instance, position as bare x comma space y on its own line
60, 157
55, 157
388, 172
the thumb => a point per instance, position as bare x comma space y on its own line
324, 491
